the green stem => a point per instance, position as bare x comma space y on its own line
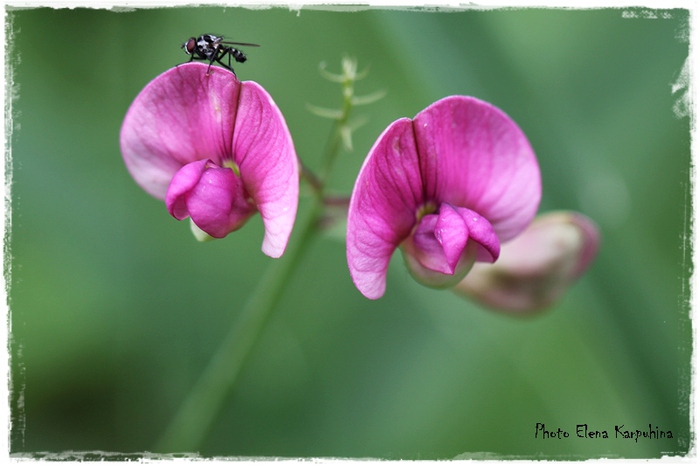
333, 149
335, 141
199, 411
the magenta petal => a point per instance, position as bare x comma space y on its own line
264, 152
424, 246
212, 196
217, 204
181, 116
441, 251
383, 207
440, 239
183, 182
473, 155
481, 231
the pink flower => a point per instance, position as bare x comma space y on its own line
537, 267
215, 150
447, 187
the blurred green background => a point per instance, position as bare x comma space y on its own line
116, 309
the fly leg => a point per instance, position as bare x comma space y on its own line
226, 51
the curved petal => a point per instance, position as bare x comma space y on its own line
181, 116
436, 279
264, 152
184, 181
439, 240
537, 267
444, 246
473, 155
383, 207
481, 231
212, 196
217, 204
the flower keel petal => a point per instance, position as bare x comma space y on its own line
482, 232
212, 196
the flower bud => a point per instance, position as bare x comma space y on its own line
537, 267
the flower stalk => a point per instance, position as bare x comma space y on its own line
198, 413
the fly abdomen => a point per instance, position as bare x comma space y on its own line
238, 55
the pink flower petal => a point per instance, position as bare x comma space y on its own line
439, 240
184, 181
382, 209
212, 196
442, 249
264, 152
428, 264
180, 117
481, 231
473, 155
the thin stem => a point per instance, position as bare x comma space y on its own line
333, 148
336, 137
199, 411
337, 201
312, 179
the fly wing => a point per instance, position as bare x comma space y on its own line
239, 43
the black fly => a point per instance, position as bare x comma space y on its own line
213, 48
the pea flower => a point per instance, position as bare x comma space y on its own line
216, 150
447, 187
537, 267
